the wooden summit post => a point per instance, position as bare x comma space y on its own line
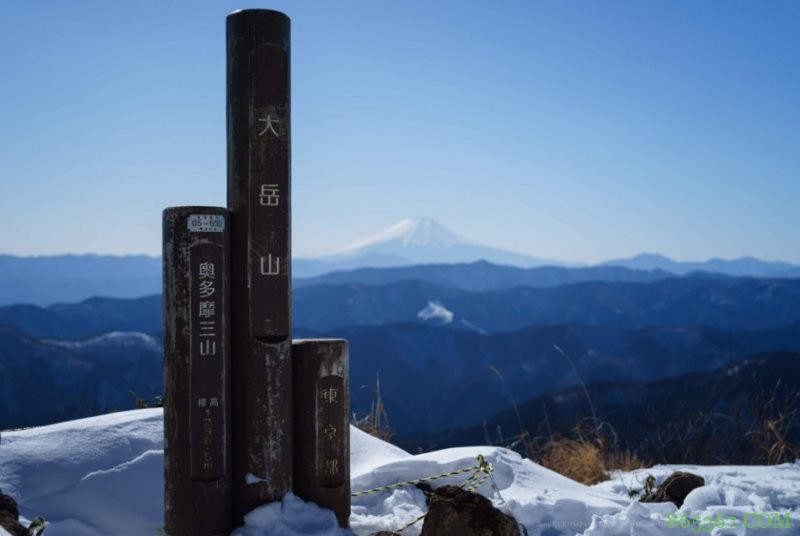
259, 200
197, 427
321, 426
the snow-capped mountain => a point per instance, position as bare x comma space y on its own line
408, 242
422, 232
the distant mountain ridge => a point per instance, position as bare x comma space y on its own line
47, 280
412, 248
87, 319
741, 267
44, 381
728, 303
723, 303
453, 385
644, 414
449, 369
482, 276
438, 338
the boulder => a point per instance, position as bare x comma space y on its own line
455, 511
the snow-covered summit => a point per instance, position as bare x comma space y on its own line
408, 242
105, 476
419, 232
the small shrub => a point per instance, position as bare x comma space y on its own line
376, 422
577, 459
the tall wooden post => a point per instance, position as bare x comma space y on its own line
259, 199
197, 428
321, 424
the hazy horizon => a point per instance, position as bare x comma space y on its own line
574, 131
465, 240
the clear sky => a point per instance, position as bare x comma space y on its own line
570, 130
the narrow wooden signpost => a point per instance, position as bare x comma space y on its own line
321, 427
229, 424
197, 429
259, 200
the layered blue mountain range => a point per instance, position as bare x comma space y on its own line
435, 334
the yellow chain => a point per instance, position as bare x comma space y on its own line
473, 481
476, 468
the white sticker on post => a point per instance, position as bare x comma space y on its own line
206, 223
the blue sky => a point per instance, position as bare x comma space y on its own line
571, 130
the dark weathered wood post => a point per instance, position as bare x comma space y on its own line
197, 432
259, 200
321, 428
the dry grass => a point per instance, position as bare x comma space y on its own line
625, 460
775, 418
376, 422
588, 458
577, 459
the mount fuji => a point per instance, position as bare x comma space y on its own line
409, 242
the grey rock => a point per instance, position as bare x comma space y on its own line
455, 511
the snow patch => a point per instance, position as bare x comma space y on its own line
367, 453
436, 311
128, 339
290, 517
250, 478
473, 327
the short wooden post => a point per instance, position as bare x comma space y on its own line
321, 429
197, 432
259, 200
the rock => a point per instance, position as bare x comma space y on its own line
455, 511
9, 516
8, 506
384, 533
12, 526
675, 488
37, 526
9, 519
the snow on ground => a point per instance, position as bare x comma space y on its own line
95, 476
434, 310
104, 476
